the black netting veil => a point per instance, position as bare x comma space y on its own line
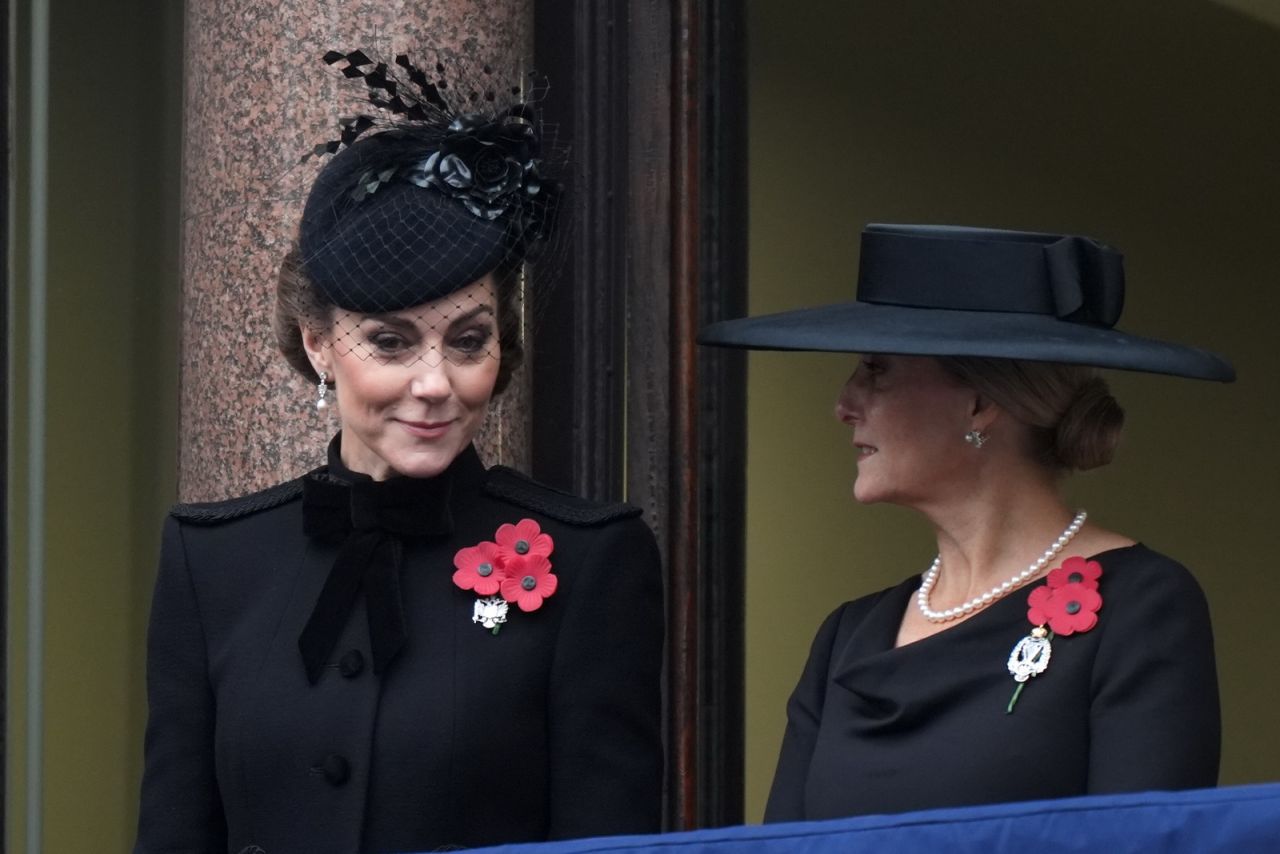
400, 246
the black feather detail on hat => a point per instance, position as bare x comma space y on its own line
441, 184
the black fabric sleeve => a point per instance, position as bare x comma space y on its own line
181, 812
804, 716
605, 696
1154, 720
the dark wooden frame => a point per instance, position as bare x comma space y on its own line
650, 97
6, 146
721, 435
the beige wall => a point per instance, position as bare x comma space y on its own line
113, 93
1151, 125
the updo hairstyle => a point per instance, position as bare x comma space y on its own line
1073, 420
299, 302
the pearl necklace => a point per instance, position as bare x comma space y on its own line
1002, 589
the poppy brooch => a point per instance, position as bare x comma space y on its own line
1068, 602
514, 568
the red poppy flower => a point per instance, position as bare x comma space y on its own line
480, 568
529, 583
1068, 609
523, 539
1076, 570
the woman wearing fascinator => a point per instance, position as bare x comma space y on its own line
1041, 655
403, 650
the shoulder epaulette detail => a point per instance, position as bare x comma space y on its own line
213, 512
512, 486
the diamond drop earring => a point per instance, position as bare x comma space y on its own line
974, 437
322, 402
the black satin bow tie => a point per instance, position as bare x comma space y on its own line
371, 519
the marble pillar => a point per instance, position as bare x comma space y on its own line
258, 97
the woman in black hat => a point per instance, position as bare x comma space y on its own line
403, 650
1040, 655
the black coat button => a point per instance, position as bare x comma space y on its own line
351, 664
337, 770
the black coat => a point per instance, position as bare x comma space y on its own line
1130, 705
549, 729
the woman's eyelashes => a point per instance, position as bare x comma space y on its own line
472, 342
469, 342
387, 343
870, 371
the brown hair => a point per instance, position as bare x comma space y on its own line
299, 302
1074, 421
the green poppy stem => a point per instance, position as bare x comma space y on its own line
1014, 699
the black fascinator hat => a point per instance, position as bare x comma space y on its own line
952, 291
443, 185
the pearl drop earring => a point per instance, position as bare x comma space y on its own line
322, 402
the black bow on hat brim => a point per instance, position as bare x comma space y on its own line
859, 327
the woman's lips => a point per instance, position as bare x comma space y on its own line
426, 429
864, 451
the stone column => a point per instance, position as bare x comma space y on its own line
258, 97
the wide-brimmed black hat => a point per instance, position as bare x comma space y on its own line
933, 290
444, 184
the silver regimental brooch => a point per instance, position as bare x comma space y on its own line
1030, 655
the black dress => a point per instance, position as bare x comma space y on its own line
1130, 705
548, 729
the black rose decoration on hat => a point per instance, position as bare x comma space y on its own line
490, 166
